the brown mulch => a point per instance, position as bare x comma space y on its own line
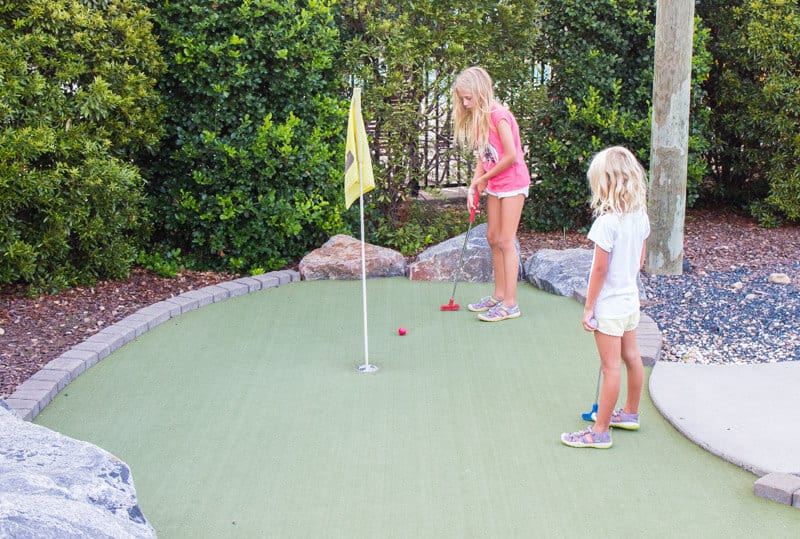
34, 331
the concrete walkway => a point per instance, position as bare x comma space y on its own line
745, 414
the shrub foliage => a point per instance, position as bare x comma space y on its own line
77, 106
754, 91
250, 173
598, 95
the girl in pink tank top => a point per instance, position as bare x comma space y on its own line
488, 128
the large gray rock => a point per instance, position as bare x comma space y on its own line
563, 272
440, 262
52, 486
340, 258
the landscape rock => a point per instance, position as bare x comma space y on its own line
563, 272
53, 486
340, 259
440, 262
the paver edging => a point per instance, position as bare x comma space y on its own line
31, 396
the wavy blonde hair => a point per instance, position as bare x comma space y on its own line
471, 128
618, 182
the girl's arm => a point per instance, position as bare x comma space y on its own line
596, 279
475, 185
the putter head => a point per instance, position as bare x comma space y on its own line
450, 306
590, 416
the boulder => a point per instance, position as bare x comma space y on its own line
52, 486
340, 258
564, 272
440, 262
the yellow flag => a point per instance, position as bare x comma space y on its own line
357, 163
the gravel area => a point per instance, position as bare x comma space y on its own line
720, 317
723, 309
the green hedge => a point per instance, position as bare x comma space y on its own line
754, 92
77, 106
250, 174
600, 55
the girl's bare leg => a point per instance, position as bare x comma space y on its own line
493, 229
610, 349
501, 232
635, 371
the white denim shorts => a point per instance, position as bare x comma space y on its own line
617, 326
524, 192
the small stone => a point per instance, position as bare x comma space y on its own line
779, 278
750, 296
737, 285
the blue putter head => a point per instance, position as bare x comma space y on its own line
590, 416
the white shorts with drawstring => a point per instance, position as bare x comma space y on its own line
524, 192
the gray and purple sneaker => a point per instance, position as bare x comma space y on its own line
483, 305
587, 438
621, 420
500, 312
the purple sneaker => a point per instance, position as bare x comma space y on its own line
483, 305
587, 438
621, 420
500, 312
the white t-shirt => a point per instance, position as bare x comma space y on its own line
621, 236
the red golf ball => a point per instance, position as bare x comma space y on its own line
401, 330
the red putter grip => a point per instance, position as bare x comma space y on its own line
474, 207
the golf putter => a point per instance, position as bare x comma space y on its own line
592, 415
451, 305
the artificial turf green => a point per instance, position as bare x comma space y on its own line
248, 418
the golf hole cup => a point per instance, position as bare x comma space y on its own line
401, 331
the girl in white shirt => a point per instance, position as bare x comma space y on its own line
619, 232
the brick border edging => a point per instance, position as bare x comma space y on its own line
32, 395
778, 487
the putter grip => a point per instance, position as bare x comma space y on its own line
474, 206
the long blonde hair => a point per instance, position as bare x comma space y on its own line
471, 128
618, 182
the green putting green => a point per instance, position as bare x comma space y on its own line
248, 418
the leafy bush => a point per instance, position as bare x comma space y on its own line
754, 91
421, 224
252, 163
600, 54
77, 106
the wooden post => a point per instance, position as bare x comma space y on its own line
670, 135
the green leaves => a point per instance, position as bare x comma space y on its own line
77, 109
600, 54
755, 95
255, 132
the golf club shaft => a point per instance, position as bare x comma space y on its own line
597, 391
464, 246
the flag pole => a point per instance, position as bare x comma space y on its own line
366, 367
357, 153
